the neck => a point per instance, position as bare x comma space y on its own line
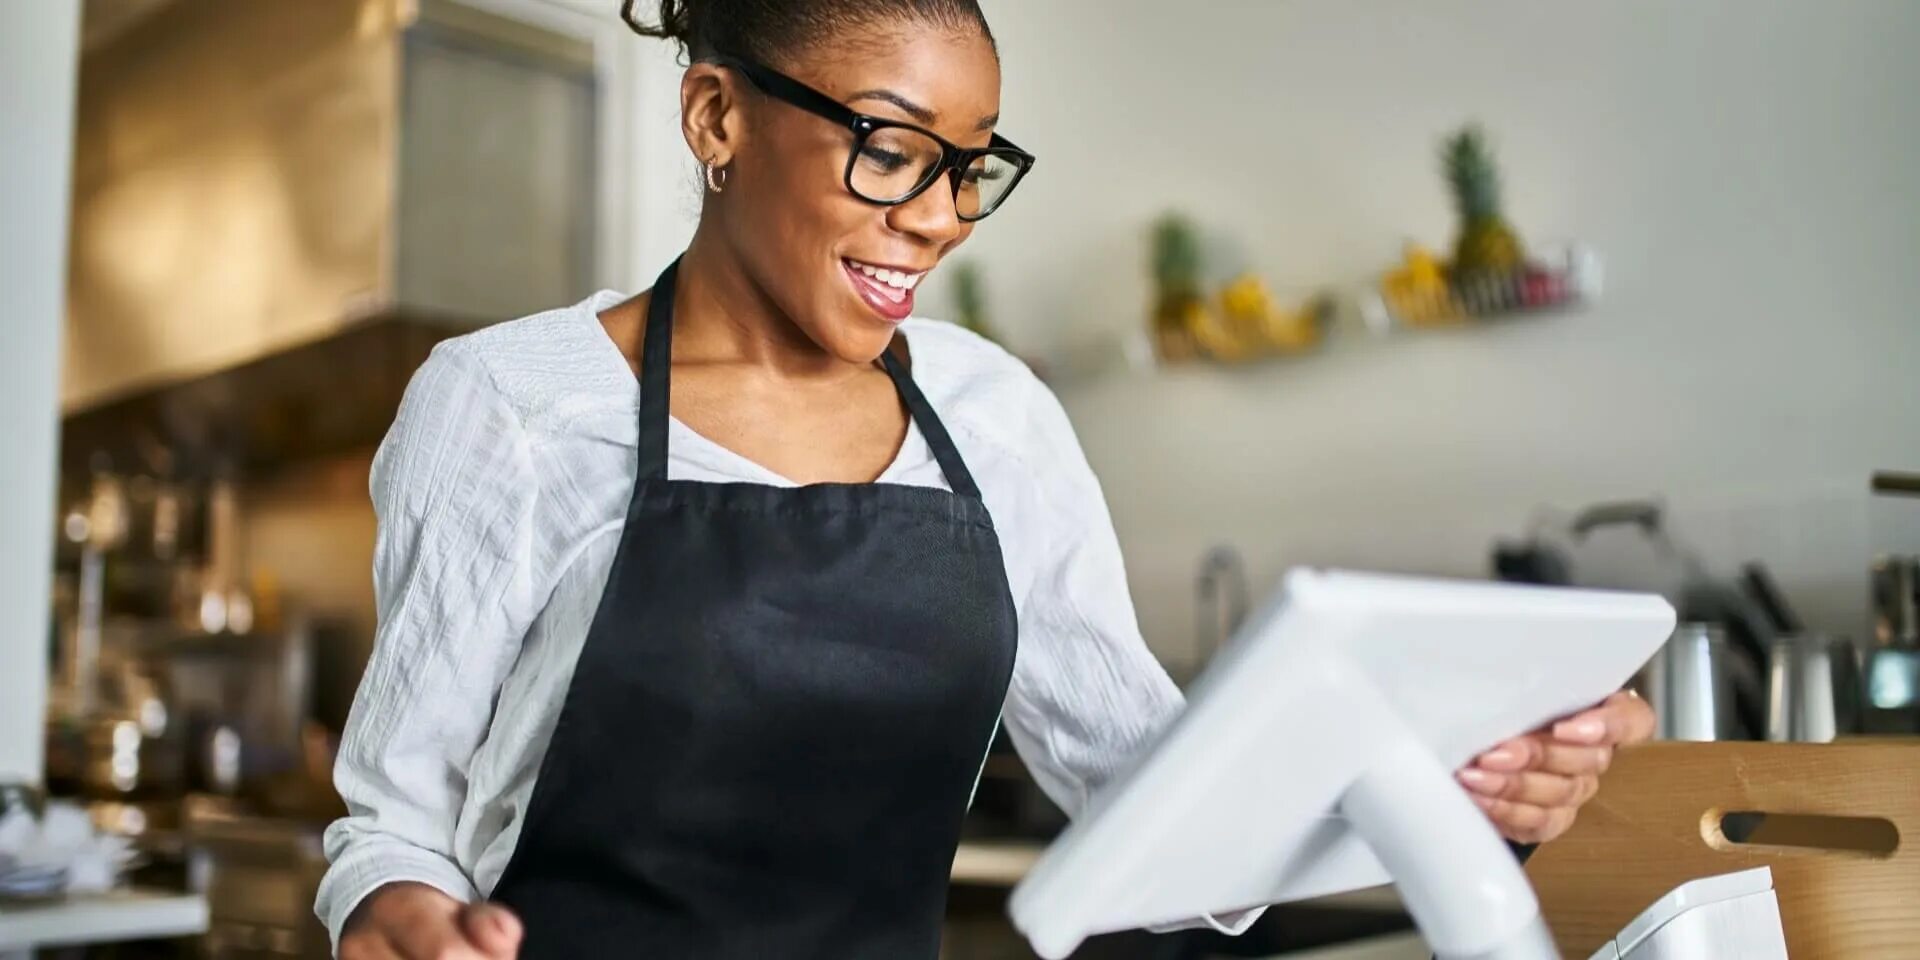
721, 316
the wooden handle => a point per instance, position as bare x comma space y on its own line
1656, 824
1898, 484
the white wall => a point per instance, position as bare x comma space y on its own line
39, 47
1746, 168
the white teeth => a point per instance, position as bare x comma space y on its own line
892, 278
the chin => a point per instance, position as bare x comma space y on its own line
849, 329
857, 342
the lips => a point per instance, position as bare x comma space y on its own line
887, 290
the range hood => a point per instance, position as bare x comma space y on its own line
279, 206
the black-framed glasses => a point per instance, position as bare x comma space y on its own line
891, 162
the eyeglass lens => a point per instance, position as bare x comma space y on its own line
893, 162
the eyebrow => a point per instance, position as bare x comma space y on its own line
914, 110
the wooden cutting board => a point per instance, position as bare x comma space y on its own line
1849, 889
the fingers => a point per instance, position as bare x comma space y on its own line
457, 935
1531, 788
437, 942
492, 929
1529, 806
1638, 723
1622, 718
368, 946
1526, 823
1512, 756
412, 921
1539, 752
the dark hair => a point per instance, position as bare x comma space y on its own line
768, 30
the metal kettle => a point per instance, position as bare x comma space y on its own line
1688, 684
1815, 689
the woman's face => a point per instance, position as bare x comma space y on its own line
808, 242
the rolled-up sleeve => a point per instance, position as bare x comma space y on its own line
453, 491
1088, 698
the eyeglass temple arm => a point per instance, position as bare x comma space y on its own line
792, 91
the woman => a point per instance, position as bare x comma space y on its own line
698, 609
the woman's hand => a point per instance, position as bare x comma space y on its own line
1532, 786
412, 921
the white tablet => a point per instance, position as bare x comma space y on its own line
1339, 710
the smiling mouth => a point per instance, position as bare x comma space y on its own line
888, 290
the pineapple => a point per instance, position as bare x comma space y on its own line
1178, 306
1486, 245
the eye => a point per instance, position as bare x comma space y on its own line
979, 175
883, 159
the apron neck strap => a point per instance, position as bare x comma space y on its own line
656, 366
935, 432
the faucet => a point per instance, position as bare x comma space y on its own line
1220, 600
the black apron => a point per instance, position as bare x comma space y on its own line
778, 716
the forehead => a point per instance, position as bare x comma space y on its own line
953, 73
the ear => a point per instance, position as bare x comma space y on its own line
711, 115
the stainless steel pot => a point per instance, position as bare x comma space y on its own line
1814, 689
1688, 684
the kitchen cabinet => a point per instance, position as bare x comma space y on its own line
255, 176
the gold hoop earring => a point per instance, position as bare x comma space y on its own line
716, 177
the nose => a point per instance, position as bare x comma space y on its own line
931, 217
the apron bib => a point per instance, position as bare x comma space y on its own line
777, 718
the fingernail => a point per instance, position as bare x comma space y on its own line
1588, 729
1500, 757
1484, 803
1477, 779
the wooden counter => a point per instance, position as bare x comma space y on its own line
1848, 889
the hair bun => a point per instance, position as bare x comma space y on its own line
766, 30
674, 22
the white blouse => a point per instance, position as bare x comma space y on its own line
501, 490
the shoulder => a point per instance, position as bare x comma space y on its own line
974, 382
480, 395
952, 348
988, 396
537, 365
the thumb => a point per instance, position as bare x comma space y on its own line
493, 930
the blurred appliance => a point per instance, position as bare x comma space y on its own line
183, 711
1893, 663
260, 876
383, 173
1546, 556
1896, 601
1893, 660
1815, 689
1688, 685
169, 682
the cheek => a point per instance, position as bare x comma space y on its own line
786, 228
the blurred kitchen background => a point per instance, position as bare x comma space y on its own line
232, 228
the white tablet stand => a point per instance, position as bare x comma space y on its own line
1316, 756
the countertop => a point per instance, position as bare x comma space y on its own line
1004, 863
105, 918
1398, 947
